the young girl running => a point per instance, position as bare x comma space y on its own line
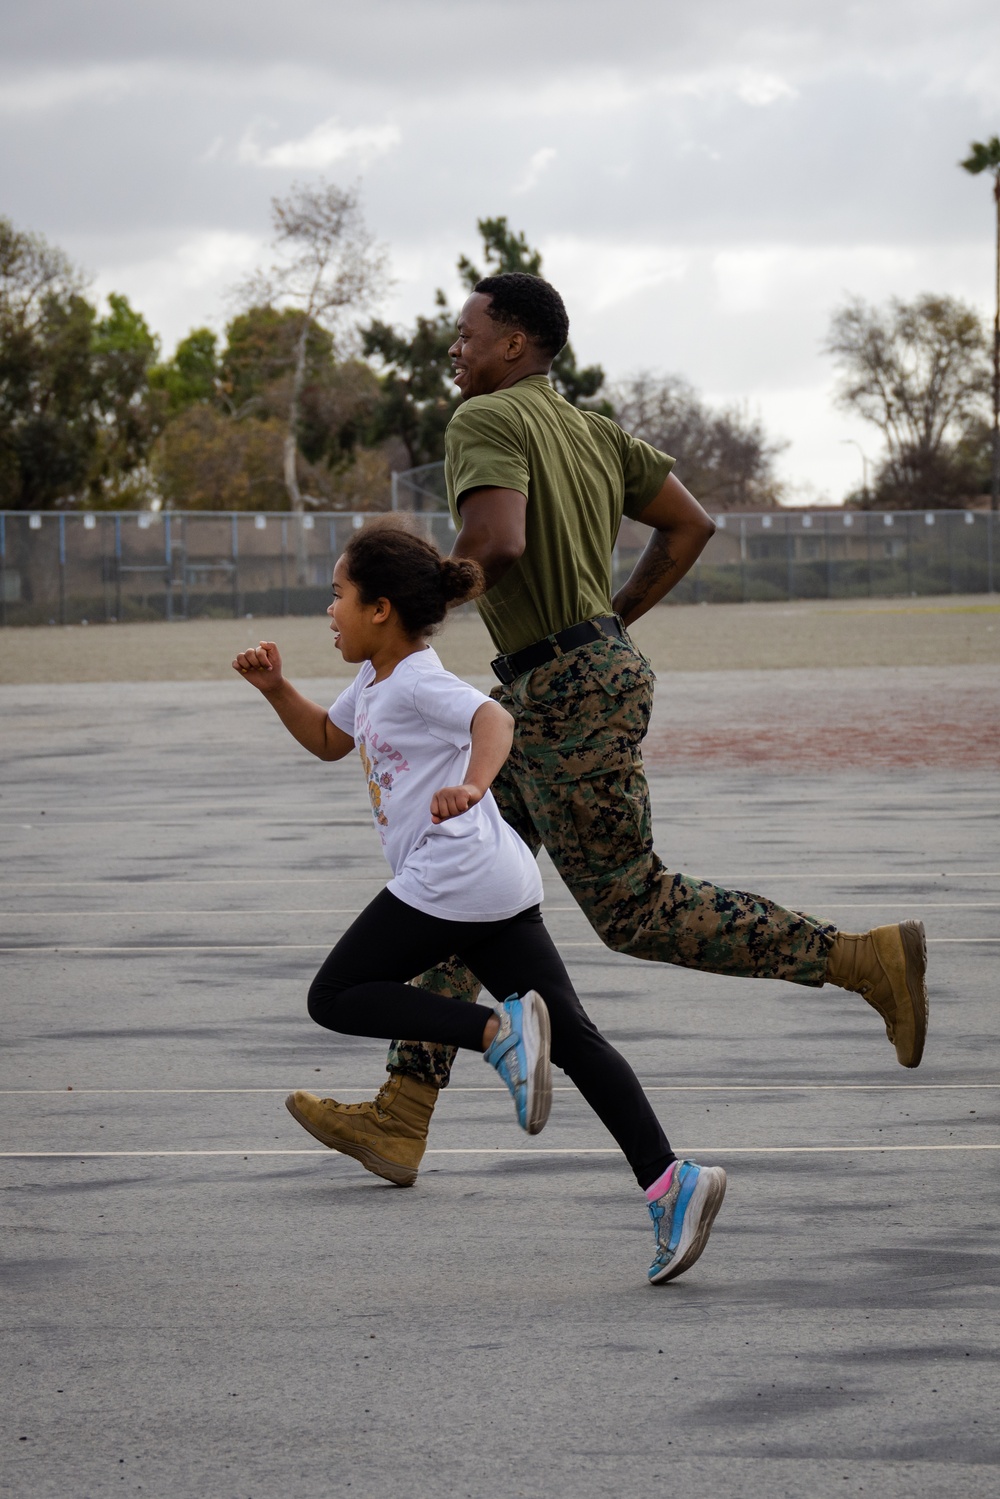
463, 882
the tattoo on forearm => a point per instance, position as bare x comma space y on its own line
651, 571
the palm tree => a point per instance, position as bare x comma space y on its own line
985, 157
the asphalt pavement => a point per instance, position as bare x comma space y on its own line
193, 1286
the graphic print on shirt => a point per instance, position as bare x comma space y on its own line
381, 768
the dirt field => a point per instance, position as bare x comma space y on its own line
953, 631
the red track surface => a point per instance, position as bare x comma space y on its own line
915, 718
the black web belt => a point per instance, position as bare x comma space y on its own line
509, 668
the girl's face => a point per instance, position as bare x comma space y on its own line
355, 624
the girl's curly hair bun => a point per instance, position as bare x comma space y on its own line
461, 579
388, 559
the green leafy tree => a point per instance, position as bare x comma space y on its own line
47, 416
77, 415
255, 367
192, 376
219, 449
335, 399
985, 157
919, 372
207, 461
128, 412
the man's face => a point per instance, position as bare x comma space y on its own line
478, 354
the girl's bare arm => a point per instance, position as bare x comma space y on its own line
492, 736
305, 720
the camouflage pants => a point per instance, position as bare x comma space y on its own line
574, 784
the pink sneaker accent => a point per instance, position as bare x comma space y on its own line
661, 1185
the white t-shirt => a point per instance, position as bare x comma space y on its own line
413, 732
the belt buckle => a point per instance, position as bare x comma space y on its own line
500, 666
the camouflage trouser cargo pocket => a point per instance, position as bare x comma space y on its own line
608, 834
574, 782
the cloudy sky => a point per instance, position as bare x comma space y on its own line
706, 182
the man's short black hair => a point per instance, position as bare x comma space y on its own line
529, 304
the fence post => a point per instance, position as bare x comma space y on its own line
184, 563
118, 568
789, 541
234, 557
991, 516
909, 554
168, 563
3, 569
105, 570
743, 558
62, 569
284, 566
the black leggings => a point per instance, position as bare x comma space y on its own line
361, 990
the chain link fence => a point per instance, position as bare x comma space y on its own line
135, 565
420, 489
140, 565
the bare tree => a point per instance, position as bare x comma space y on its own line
327, 269
918, 371
723, 456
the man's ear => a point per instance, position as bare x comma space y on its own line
517, 342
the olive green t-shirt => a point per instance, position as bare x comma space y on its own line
580, 473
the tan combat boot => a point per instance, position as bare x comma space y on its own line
387, 1134
887, 966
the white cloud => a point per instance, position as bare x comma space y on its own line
725, 81
325, 144
761, 89
535, 169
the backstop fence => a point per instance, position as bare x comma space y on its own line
63, 568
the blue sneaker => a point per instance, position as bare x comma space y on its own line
683, 1218
520, 1053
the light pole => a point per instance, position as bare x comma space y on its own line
865, 460
985, 157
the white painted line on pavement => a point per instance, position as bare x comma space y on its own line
148, 947
557, 1088
156, 884
88, 1155
759, 876
925, 905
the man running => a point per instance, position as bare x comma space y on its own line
538, 489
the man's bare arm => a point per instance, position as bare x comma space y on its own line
681, 531
493, 530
